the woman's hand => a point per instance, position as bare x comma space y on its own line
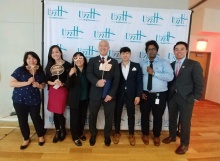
72, 71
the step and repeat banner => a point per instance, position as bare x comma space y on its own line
79, 27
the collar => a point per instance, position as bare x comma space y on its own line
104, 57
181, 61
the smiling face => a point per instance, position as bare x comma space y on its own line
31, 61
79, 61
151, 52
56, 54
125, 56
180, 51
103, 47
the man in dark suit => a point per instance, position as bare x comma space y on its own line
184, 89
129, 93
104, 85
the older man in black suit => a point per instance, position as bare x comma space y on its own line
186, 87
129, 93
104, 85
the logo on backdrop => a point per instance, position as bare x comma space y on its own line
89, 15
171, 57
152, 20
56, 13
143, 55
88, 52
180, 20
72, 33
114, 54
62, 47
121, 17
135, 37
107, 34
164, 39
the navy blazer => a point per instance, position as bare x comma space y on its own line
189, 83
133, 84
94, 75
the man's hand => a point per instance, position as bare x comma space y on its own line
136, 100
150, 70
101, 83
108, 98
144, 96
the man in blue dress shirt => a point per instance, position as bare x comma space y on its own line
157, 73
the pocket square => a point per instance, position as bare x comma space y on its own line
133, 69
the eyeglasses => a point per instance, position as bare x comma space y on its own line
77, 58
153, 49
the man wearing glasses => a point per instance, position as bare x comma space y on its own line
157, 73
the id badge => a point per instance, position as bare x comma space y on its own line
157, 101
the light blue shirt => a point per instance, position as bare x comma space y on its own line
163, 73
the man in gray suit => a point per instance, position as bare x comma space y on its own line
186, 87
104, 85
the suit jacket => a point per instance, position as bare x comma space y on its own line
94, 75
133, 84
189, 83
73, 84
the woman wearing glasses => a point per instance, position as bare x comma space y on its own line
77, 99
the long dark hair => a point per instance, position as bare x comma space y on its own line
34, 55
84, 58
51, 61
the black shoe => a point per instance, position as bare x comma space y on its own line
62, 134
92, 140
107, 141
25, 146
57, 136
78, 142
83, 138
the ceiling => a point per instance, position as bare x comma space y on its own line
196, 4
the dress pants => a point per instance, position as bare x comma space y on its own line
146, 106
184, 108
129, 104
78, 118
22, 112
109, 107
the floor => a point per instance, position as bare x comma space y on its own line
204, 144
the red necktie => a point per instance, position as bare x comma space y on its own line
103, 60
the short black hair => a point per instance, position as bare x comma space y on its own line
181, 42
125, 49
151, 42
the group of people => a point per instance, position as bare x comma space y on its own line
104, 82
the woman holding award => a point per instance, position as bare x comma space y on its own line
27, 80
56, 74
78, 86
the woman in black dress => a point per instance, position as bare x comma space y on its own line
78, 94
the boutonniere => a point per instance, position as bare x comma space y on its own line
183, 66
134, 69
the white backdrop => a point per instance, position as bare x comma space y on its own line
80, 27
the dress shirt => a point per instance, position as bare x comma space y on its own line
125, 69
104, 57
163, 73
181, 63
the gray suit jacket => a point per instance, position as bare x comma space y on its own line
189, 83
94, 74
